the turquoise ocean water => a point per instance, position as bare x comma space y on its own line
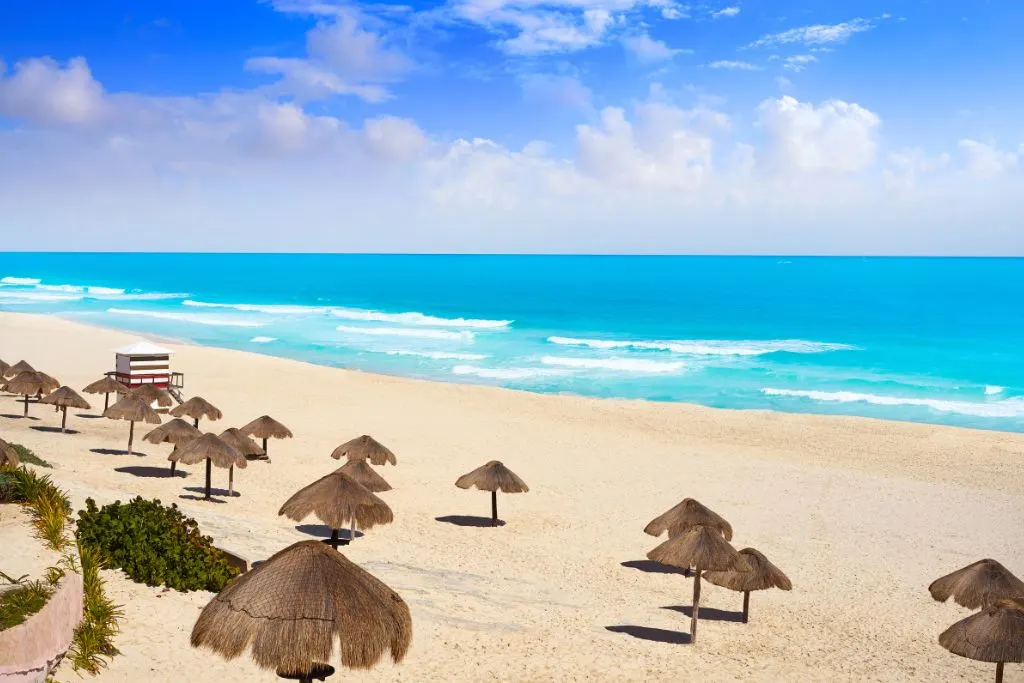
929, 340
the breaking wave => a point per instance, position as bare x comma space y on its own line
707, 347
507, 373
615, 364
185, 318
1011, 407
447, 335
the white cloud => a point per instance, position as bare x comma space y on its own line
559, 90
647, 50
986, 162
726, 12
835, 136
818, 34
353, 51
798, 62
903, 167
42, 91
306, 81
734, 65
394, 138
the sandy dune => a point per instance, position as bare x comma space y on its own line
861, 514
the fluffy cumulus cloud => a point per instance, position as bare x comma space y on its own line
984, 161
44, 91
726, 12
648, 50
835, 136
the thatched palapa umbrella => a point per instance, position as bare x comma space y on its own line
365, 447
978, 585
5, 369
214, 450
106, 386
65, 398
292, 609
762, 576
702, 547
8, 455
20, 367
197, 407
365, 476
134, 410
493, 477
995, 634
150, 394
689, 513
177, 431
31, 383
244, 445
337, 501
266, 427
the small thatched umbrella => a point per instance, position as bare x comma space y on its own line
8, 455
176, 431
337, 500
266, 427
197, 407
20, 367
762, 576
365, 447
5, 369
65, 398
31, 383
293, 608
493, 477
106, 386
978, 585
995, 634
702, 547
134, 410
689, 513
244, 445
151, 394
365, 476
214, 450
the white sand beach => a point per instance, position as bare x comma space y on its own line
861, 514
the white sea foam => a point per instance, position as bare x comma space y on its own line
707, 347
269, 309
185, 318
1011, 407
507, 373
437, 355
615, 364
262, 340
31, 296
20, 281
80, 289
447, 335
992, 389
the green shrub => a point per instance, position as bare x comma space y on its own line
93, 643
27, 457
50, 507
155, 545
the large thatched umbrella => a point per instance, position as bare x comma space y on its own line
337, 500
689, 513
19, 367
978, 585
266, 427
65, 398
702, 547
5, 369
995, 634
293, 608
365, 447
150, 393
493, 477
176, 431
211, 448
244, 445
134, 410
31, 383
197, 407
762, 576
8, 455
365, 476
106, 386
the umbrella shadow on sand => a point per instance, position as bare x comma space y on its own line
213, 491
709, 613
202, 498
19, 417
149, 472
322, 531
114, 451
657, 635
468, 520
89, 416
652, 567
53, 430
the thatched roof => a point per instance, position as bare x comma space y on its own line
107, 385
365, 447
21, 366
294, 607
241, 442
150, 394
977, 585
266, 427
493, 476
702, 547
335, 499
8, 455
198, 407
132, 409
176, 431
365, 476
211, 446
688, 513
762, 575
995, 634
31, 382
65, 397
5, 369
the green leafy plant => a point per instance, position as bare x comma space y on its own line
27, 457
93, 643
50, 507
19, 604
154, 544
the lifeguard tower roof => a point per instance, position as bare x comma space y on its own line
143, 348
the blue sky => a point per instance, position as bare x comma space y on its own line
514, 125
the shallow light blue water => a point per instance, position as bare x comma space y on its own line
930, 340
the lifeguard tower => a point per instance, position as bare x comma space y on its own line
146, 363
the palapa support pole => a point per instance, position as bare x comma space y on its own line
64, 421
352, 533
26, 405
696, 606
265, 453
173, 463
196, 425
494, 508
131, 435
106, 401
999, 672
231, 481
209, 466
746, 606
334, 538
